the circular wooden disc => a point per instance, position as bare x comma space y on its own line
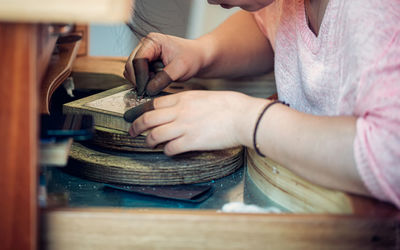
152, 168
291, 191
119, 140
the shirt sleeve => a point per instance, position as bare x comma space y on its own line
377, 142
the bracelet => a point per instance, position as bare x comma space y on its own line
256, 147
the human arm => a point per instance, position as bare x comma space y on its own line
237, 48
366, 139
350, 152
315, 147
318, 148
228, 51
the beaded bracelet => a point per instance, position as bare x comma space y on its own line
256, 147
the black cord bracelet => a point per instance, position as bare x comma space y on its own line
256, 147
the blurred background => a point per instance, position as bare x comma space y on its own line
183, 18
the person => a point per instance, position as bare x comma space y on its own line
336, 63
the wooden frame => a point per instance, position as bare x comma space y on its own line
105, 118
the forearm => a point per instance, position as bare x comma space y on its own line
236, 48
318, 148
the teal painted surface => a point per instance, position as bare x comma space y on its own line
237, 187
111, 40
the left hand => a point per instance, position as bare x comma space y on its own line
198, 120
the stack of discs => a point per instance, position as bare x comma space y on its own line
155, 168
121, 141
113, 156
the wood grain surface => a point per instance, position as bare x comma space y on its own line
59, 69
99, 64
18, 133
113, 228
152, 168
99, 73
83, 31
66, 11
46, 44
301, 196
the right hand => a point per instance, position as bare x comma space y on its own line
182, 58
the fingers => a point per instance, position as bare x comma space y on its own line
137, 68
149, 53
157, 112
152, 119
163, 78
165, 101
141, 67
161, 102
162, 134
157, 66
148, 70
160, 81
177, 146
150, 47
133, 113
129, 72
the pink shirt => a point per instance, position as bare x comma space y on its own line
351, 68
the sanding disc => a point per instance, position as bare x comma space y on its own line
103, 165
119, 140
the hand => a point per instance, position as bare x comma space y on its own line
199, 120
182, 59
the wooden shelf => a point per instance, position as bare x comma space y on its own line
114, 228
65, 11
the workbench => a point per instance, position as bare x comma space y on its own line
93, 217
145, 222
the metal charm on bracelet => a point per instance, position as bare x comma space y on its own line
255, 145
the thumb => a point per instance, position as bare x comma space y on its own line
175, 70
